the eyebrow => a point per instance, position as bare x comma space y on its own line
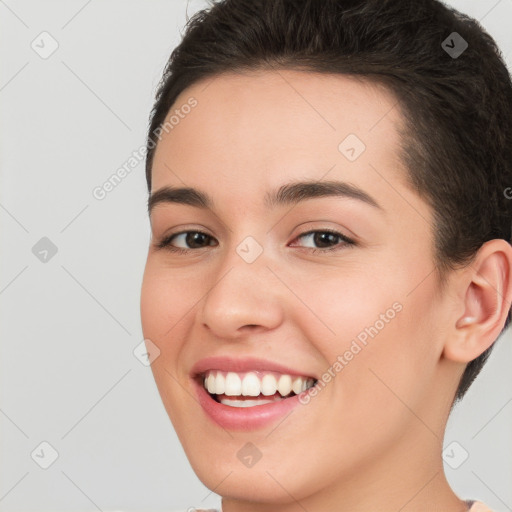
291, 193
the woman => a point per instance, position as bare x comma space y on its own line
330, 260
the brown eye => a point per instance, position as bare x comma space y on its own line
326, 240
192, 240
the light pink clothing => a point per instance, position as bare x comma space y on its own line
478, 506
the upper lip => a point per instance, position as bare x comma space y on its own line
245, 364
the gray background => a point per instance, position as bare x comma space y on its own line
69, 325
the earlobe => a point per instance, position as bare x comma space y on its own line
487, 299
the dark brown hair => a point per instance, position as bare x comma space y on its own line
457, 138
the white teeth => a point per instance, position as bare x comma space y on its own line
284, 385
210, 383
251, 385
268, 385
233, 385
246, 403
220, 384
297, 385
254, 384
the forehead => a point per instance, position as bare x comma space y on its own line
259, 129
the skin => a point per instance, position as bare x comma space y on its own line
372, 438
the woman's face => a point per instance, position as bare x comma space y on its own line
258, 282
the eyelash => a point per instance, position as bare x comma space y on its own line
166, 242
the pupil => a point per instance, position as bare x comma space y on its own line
320, 236
192, 238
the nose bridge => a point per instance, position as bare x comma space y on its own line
245, 261
244, 291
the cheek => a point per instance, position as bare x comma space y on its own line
165, 299
389, 378
153, 306
374, 335
164, 305
345, 305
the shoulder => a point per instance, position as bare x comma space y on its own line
193, 509
478, 506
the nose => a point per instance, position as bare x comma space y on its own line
242, 298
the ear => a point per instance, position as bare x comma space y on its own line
486, 294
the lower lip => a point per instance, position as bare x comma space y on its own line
244, 418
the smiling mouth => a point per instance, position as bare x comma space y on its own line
250, 389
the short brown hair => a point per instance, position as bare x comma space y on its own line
457, 144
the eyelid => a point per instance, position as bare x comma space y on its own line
332, 231
165, 242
